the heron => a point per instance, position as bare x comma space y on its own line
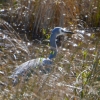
29, 65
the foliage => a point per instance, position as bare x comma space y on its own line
32, 16
76, 70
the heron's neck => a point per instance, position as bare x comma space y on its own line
53, 45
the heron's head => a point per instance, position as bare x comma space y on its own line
60, 31
57, 31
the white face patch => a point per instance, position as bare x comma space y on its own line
61, 33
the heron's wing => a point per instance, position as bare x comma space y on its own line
30, 65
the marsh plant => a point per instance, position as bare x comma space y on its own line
75, 70
32, 16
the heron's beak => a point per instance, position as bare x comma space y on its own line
67, 31
70, 32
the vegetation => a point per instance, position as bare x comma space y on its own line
75, 73
30, 17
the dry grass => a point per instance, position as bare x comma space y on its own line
32, 16
75, 73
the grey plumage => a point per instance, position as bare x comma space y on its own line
25, 68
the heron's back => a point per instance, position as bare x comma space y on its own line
25, 68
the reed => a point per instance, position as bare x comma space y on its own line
76, 69
30, 17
